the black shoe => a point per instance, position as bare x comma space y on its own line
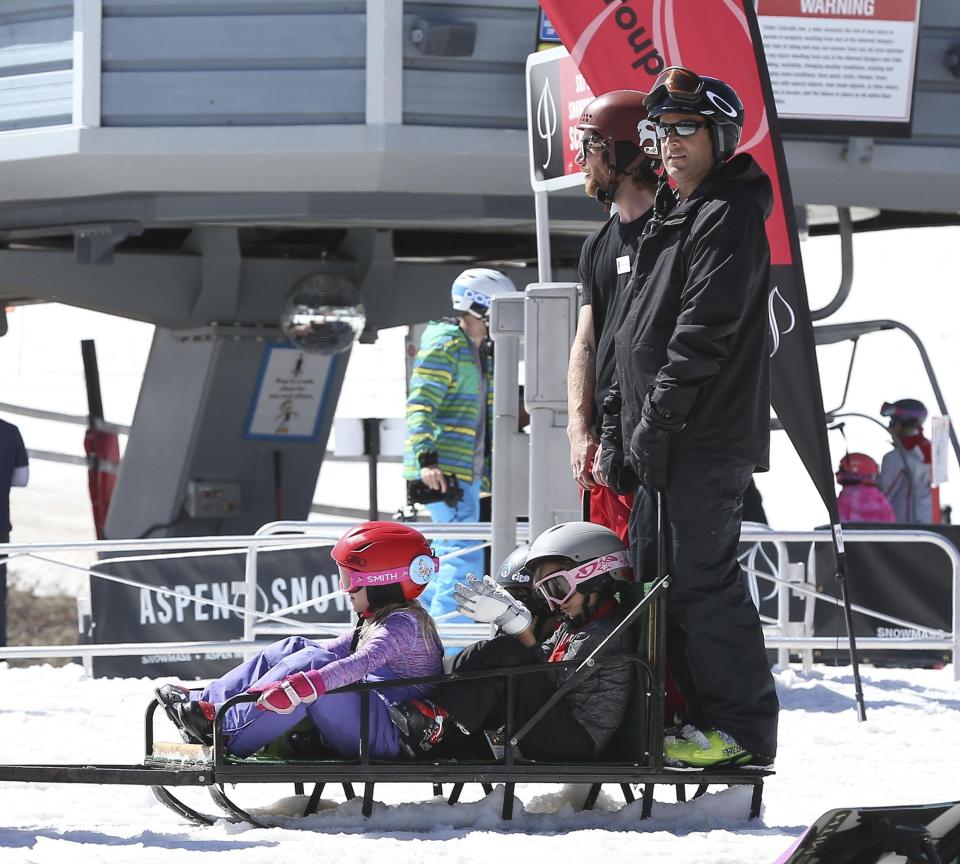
422, 725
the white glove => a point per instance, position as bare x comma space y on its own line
487, 603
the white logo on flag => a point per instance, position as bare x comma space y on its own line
775, 331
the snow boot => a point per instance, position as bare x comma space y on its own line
193, 719
169, 696
422, 725
710, 748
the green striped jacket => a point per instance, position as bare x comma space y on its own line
443, 407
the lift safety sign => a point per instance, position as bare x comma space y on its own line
556, 95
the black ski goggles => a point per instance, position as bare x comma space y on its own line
683, 86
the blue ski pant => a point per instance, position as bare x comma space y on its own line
438, 598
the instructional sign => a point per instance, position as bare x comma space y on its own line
843, 66
939, 449
289, 395
556, 95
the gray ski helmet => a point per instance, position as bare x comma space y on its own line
679, 90
514, 578
578, 541
511, 573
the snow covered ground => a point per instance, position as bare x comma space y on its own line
906, 753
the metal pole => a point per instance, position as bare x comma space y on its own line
542, 213
503, 518
91, 374
371, 447
541, 465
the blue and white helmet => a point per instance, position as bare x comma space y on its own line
473, 289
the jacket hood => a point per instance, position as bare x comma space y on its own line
749, 177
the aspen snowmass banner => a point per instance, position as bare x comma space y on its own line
620, 44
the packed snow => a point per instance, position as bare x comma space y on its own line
906, 753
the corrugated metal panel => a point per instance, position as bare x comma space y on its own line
936, 110
485, 89
36, 63
229, 62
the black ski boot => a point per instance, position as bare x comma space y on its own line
195, 721
422, 725
190, 717
169, 696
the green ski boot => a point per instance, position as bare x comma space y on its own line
693, 748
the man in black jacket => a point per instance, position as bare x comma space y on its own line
693, 372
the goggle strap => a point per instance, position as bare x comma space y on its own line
604, 564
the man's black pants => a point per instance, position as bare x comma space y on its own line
482, 703
714, 636
4, 538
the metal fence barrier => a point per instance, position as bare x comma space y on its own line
765, 561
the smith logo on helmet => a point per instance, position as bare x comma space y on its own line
627, 19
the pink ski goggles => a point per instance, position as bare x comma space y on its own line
419, 571
559, 587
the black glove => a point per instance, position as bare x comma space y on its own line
650, 444
618, 476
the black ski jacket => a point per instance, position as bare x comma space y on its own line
695, 337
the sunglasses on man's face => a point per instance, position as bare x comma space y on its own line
591, 144
684, 128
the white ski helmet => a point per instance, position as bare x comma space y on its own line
473, 289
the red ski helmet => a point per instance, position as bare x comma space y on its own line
858, 468
391, 560
619, 119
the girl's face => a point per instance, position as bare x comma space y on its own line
359, 601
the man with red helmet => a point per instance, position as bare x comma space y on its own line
384, 567
616, 172
860, 500
693, 370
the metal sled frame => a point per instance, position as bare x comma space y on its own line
512, 769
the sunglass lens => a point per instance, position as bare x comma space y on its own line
685, 128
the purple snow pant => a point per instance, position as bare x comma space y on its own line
336, 715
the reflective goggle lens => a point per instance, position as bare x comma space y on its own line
555, 588
682, 84
345, 580
685, 128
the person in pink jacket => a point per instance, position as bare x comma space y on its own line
861, 499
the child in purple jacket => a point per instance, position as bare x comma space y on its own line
384, 567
